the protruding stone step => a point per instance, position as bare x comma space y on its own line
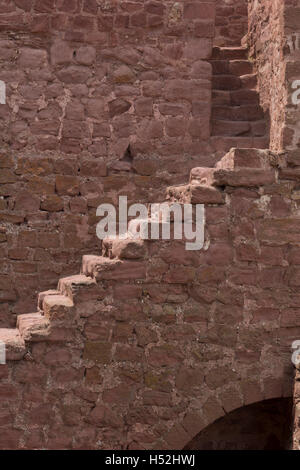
71, 285
231, 67
226, 82
14, 344
239, 167
102, 268
231, 53
195, 194
235, 97
240, 67
247, 177
244, 96
57, 307
249, 81
221, 98
128, 248
238, 158
231, 128
246, 112
202, 175
33, 326
42, 295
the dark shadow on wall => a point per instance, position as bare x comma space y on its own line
265, 425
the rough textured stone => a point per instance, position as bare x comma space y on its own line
149, 343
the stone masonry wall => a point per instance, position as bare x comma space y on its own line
151, 343
267, 43
146, 346
292, 57
296, 431
90, 83
231, 22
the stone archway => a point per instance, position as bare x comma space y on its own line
266, 425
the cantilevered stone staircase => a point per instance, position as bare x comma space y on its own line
236, 111
56, 318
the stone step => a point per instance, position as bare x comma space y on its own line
246, 112
248, 177
221, 98
239, 167
226, 82
128, 248
14, 344
239, 97
231, 128
249, 81
33, 326
71, 285
231, 67
102, 268
42, 295
235, 159
195, 194
238, 158
231, 53
244, 96
58, 308
244, 177
202, 175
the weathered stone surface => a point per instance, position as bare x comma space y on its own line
145, 347
100, 353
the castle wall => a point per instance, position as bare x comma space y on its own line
147, 349
90, 83
110, 98
292, 57
296, 398
231, 22
266, 38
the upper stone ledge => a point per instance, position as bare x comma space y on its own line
239, 167
128, 248
245, 158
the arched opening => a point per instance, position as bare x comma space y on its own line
266, 425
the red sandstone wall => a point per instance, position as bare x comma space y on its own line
266, 40
147, 352
85, 80
274, 40
292, 57
231, 22
296, 411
